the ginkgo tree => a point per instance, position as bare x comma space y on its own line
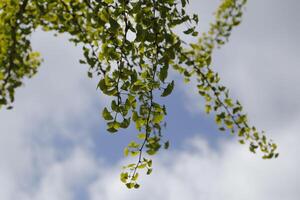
130, 46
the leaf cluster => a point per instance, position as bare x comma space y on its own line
130, 46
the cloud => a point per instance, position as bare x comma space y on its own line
260, 64
68, 178
46, 124
201, 172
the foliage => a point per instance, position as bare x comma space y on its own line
130, 45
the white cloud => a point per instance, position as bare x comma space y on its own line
66, 179
47, 109
200, 172
260, 64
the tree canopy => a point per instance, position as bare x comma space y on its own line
130, 46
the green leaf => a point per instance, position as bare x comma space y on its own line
149, 171
166, 145
229, 102
163, 73
141, 136
130, 185
80, 61
114, 105
158, 118
134, 153
113, 24
126, 151
133, 144
106, 114
207, 108
149, 163
168, 89
90, 74
102, 85
108, 1
112, 130
135, 116
135, 177
124, 177
222, 129
236, 109
229, 124
189, 31
151, 152
142, 166
125, 123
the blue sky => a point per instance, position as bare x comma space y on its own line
54, 144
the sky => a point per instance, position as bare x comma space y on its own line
54, 144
